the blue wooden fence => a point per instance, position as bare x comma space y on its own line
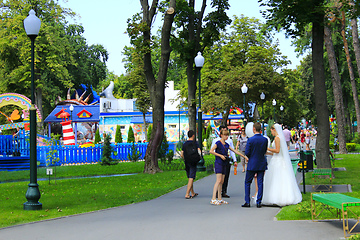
68, 155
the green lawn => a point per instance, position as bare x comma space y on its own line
74, 196
302, 210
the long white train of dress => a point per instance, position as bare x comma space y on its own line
280, 186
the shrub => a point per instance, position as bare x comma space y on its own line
149, 132
331, 145
163, 149
131, 136
106, 153
350, 147
170, 156
134, 154
118, 136
97, 136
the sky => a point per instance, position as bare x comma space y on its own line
105, 23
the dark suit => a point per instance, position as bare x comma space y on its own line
256, 148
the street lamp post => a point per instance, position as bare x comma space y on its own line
262, 97
244, 90
199, 63
274, 104
282, 112
32, 27
71, 108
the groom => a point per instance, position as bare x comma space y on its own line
256, 148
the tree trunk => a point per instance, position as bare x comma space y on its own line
321, 107
191, 79
337, 90
156, 86
351, 72
355, 34
194, 37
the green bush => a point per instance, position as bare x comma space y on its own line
106, 158
149, 132
350, 147
170, 156
131, 136
356, 138
134, 154
331, 145
163, 149
97, 136
118, 136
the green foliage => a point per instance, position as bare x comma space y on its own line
134, 154
268, 132
207, 132
354, 237
52, 157
97, 136
245, 53
350, 147
118, 136
149, 132
164, 148
131, 136
356, 139
170, 156
106, 158
180, 143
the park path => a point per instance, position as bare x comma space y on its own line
173, 217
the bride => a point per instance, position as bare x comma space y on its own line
280, 186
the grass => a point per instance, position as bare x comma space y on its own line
302, 211
75, 196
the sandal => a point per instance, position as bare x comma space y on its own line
215, 202
188, 197
195, 195
223, 202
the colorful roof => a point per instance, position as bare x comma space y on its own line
81, 113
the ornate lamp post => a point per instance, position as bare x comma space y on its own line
199, 63
32, 27
244, 90
262, 97
282, 112
274, 104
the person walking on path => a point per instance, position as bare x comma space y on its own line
256, 149
287, 135
189, 167
241, 145
227, 165
220, 150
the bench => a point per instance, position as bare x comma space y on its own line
342, 203
323, 172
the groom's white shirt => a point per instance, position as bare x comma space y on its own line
228, 141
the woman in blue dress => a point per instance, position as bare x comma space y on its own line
220, 150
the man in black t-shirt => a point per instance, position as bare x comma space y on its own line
190, 169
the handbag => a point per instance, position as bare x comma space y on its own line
227, 160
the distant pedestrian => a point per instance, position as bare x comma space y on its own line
241, 146
287, 135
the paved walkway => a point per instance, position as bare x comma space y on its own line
173, 217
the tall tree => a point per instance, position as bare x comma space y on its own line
140, 34
193, 33
293, 20
337, 90
244, 55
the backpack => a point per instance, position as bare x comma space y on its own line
192, 157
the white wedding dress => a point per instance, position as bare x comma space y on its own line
280, 186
